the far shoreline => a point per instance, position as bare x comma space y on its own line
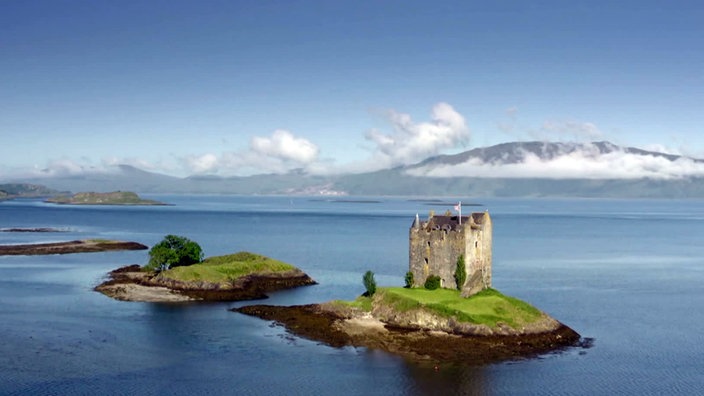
68, 247
115, 198
32, 229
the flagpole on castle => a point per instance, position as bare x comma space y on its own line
458, 208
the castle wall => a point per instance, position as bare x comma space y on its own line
434, 251
478, 258
487, 240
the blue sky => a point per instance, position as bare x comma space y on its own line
240, 87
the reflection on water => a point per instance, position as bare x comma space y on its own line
428, 379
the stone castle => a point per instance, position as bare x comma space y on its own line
436, 244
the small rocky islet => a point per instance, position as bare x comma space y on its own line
107, 198
234, 277
69, 247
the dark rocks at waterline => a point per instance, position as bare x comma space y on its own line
250, 287
40, 229
79, 246
339, 329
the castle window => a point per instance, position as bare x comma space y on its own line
476, 244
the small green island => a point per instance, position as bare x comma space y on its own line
437, 326
447, 312
97, 198
177, 272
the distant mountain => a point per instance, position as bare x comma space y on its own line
121, 177
413, 180
516, 152
26, 190
410, 180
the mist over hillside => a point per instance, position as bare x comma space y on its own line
517, 169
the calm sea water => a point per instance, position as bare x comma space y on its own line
627, 273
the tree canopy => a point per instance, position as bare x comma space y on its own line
460, 272
174, 251
369, 283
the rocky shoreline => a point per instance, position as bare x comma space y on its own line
130, 283
78, 246
330, 325
37, 229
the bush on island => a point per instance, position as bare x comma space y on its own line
174, 251
369, 283
433, 282
409, 279
460, 272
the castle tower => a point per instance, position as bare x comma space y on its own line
437, 243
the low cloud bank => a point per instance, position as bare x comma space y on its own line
583, 163
65, 167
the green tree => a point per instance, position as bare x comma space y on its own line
174, 251
369, 283
409, 279
432, 282
460, 272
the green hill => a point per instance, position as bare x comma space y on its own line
224, 269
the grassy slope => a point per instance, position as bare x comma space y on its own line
221, 269
488, 307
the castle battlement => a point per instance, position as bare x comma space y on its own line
436, 244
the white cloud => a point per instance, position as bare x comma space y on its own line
201, 163
411, 142
278, 153
660, 148
108, 163
584, 163
62, 167
65, 167
286, 147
